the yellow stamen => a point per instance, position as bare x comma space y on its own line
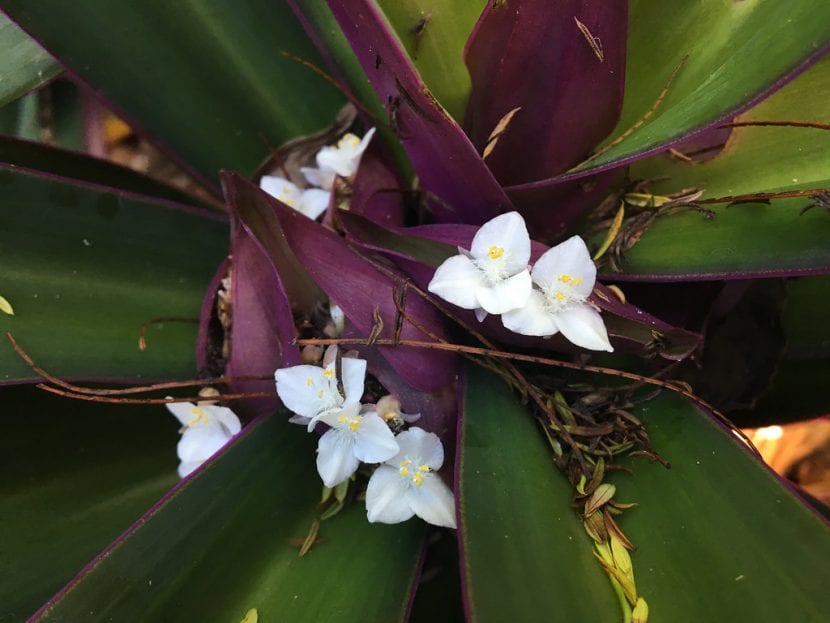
328, 373
423, 468
404, 472
418, 479
342, 419
199, 416
309, 381
349, 140
355, 423
560, 296
320, 393
495, 252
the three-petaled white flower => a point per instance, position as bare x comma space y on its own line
312, 201
340, 160
407, 485
564, 278
205, 429
357, 433
493, 276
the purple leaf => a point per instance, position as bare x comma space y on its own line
429, 135
376, 191
563, 63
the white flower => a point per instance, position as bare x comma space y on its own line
205, 429
311, 202
493, 277
338, 160
407, 484
356, 434
309, 391
564, 277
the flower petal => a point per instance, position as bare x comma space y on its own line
457, 281
416, 443
583, 326
433, 502
508, 294
226, 417
318, 177
354, 375
187, 468
374, 442
532, 319
509, 232
281, 189
200, 442
386, 497
298, 387
567, 258
335, 456
181, 410
314, 202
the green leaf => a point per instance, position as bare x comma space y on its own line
85, 269
741, 241
760, 159
82, 168
207, 80
75, 475
727, 63
718, 536
20, 118
434, 33
226, 542
24, 65
526, 555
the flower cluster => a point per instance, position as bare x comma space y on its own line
205, 429
493, 277
340, 160
405, 483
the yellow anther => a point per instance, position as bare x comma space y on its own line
418, 479
390, 415
309, 381
404, 472
342, 419
560, 297
495, 252
578, 281
199, 416
348, 140
355, 423
564, 278
328, 373
423, 468
320, 393
405, 462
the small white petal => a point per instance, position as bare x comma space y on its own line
314, 202
182, 411
374, 442
281, 189
433, 502
511, 293
457, 281
354, 375
335, 456
567, 258
509, 232
532, 319
583, 326
386, 497
481, 315
185, 469
227, 417
200, 442
416, 443
300, 387
318, 177
299, 419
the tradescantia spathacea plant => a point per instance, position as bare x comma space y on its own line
508, 333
